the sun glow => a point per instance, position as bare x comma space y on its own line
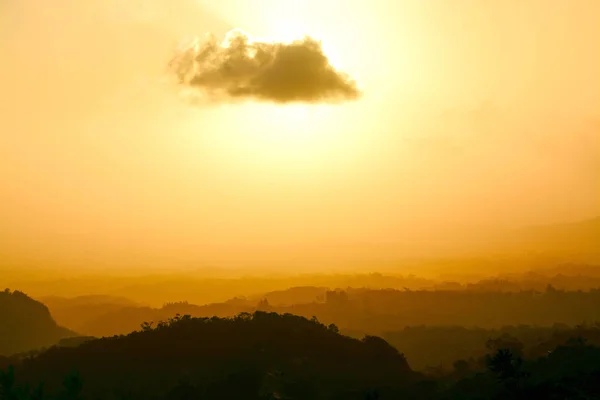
286, 21
290, 132
304, 140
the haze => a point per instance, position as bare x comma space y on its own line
475, 117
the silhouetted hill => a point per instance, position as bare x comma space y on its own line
271, 356
235, 358
26, 324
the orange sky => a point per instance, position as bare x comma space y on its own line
475, 115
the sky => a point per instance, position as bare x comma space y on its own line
453, 119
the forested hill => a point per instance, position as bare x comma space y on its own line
266, 356
246, 357
26, 324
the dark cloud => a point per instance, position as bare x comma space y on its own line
276, 72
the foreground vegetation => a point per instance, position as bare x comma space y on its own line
267, 356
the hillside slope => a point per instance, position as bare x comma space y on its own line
26, 324
246, 357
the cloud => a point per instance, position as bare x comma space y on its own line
276, 72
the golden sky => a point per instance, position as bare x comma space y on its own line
474, 114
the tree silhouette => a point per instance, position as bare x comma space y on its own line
73, 384
147, 326
7, 384
504, 364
